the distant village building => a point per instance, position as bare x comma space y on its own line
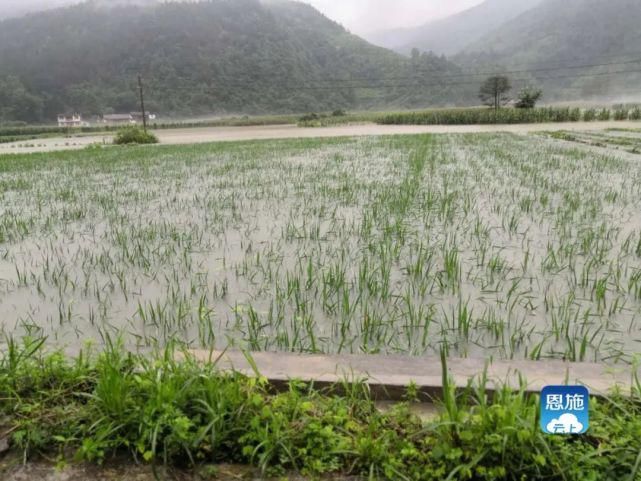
118, 119
131, 118
138, 116
70, 120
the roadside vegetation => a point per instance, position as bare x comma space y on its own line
156, 410
134, 135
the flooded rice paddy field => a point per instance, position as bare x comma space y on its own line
624, 139
481, 244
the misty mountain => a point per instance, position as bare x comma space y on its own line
560, 33
452, 34
18, 8
218, 56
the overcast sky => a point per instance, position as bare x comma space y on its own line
361, 16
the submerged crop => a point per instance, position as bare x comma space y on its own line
483, 245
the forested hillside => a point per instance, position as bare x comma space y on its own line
221, 56
568, 33
450, 35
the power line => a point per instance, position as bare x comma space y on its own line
336, 81
493, 72
416, 85
246, 85
548, 69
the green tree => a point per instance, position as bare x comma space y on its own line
528, 98
17, 103
494, 90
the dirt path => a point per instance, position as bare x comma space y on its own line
220, 134
190, 136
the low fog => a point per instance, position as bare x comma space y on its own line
14, 8
364, 16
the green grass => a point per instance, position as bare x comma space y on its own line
161, 411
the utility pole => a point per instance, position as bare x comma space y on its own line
142, 104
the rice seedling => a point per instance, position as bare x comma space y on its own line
480, 245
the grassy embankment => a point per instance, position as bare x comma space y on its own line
187, 414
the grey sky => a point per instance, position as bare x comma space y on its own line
362, 16
359, 16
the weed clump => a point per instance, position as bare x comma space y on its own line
134, 135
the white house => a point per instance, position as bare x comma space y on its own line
72, 120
